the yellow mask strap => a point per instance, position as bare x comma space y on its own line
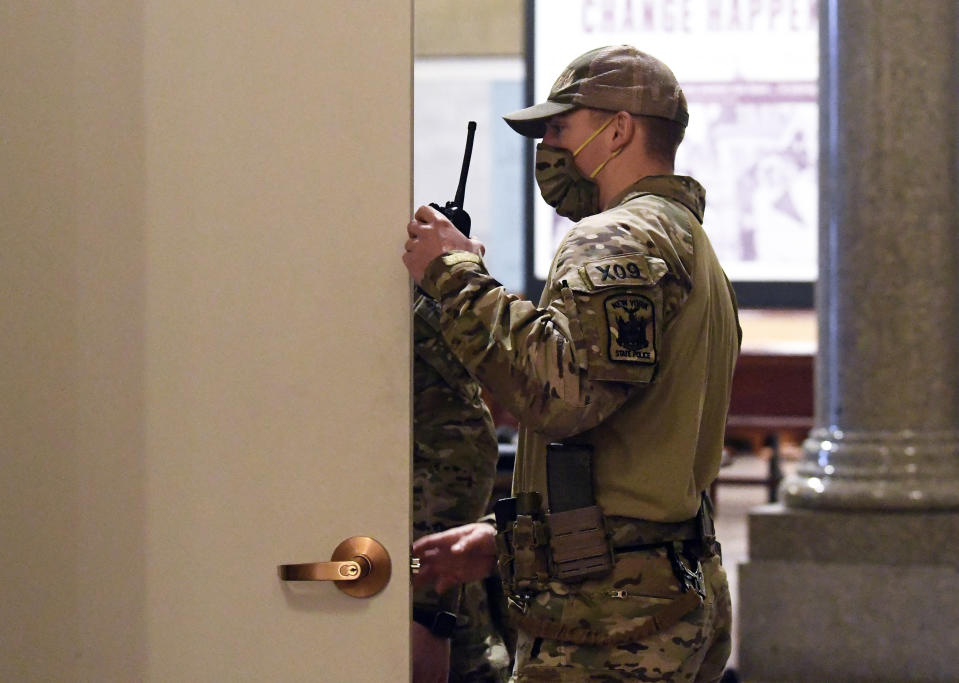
608, 159
595, 133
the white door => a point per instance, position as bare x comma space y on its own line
205, 356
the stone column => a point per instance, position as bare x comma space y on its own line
855, 577
887, 434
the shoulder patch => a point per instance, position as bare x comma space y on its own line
625, 270
631, 319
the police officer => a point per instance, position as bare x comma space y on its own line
454, 464
627, 363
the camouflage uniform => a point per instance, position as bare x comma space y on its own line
454, 464
630, 351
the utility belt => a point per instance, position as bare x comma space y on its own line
571, 540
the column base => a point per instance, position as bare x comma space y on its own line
903, 470
849, 596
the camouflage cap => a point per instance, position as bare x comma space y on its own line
614, 78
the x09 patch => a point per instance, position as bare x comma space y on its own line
625, 270
631, 319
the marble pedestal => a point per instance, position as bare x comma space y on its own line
849, 596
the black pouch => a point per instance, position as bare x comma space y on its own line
569, 476
579, 543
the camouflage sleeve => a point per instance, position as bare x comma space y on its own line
454, 442
534, 360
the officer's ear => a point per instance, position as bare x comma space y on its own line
624, 128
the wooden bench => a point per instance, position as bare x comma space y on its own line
772, 401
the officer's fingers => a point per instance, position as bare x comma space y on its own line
426, 214
424, 547
424, 544
435, 542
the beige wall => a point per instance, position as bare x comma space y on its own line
468, 28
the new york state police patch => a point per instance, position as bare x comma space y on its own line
631, 319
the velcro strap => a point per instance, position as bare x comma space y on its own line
575, 521
578, 544
579, 570
577, 533
587, 543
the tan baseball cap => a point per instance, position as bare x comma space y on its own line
614, 78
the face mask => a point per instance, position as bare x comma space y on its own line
562, 185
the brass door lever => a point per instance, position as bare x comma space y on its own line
360, 567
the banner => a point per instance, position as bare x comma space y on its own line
749, 69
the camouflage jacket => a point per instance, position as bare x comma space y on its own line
454, 442
630, 350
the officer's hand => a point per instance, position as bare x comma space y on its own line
455, 556
432, 235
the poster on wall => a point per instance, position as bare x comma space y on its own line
448, 92
749, 69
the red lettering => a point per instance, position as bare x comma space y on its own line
675, 16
